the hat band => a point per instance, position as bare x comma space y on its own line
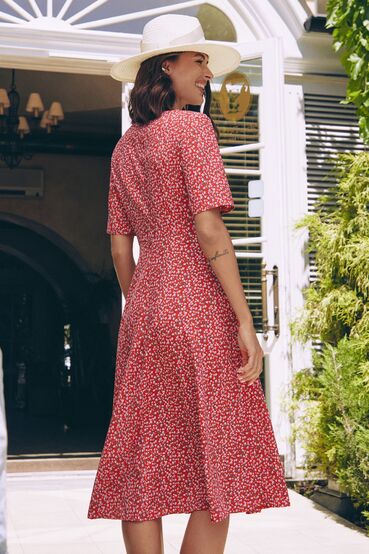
196, 35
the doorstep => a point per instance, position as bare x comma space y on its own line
51, 464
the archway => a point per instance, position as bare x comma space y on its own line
55, 334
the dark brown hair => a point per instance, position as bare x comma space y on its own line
153, 92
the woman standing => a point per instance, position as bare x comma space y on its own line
190, 430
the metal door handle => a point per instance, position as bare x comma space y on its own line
264, 296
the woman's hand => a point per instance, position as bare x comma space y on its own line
252, 354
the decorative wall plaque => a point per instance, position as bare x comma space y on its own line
234, 105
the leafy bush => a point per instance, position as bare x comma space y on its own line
335, 421
350, 22
334, 424
336, 305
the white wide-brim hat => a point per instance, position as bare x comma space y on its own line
176, 33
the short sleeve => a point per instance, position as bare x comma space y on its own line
118, 222
202, 165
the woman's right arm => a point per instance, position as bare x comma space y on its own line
209, 195
217, 246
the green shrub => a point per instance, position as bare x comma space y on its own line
337, 304
350, 22
335, 430
333, 395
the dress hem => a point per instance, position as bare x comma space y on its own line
216, 518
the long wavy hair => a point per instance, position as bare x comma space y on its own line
153, 92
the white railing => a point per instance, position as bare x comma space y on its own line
238, 171
241, 148
250, 240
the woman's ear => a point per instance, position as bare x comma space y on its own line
165, 67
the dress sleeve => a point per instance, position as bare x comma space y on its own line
118, 222
202, 165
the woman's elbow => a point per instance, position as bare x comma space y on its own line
121, 245
209, 224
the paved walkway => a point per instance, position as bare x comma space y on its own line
47, 515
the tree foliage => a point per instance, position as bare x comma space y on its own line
350, 22
334, 425
337, 304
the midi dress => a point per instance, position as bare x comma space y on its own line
185, 434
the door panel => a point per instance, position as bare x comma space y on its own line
252, 149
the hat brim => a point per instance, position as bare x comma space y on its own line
222, 59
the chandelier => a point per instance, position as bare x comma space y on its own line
14, 127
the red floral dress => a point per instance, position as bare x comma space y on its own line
185, 434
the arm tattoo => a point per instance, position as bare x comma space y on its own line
217, 255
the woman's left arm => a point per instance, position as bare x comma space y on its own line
123, 260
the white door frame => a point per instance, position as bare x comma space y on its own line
275, 239
276, 251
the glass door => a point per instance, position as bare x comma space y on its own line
248, 111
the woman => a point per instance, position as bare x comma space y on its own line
190, 431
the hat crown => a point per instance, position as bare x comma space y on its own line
170, 33
171, 30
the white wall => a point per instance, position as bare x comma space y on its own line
74, 204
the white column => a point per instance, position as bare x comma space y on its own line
126, 123
274, 166
297, 206
3, 455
